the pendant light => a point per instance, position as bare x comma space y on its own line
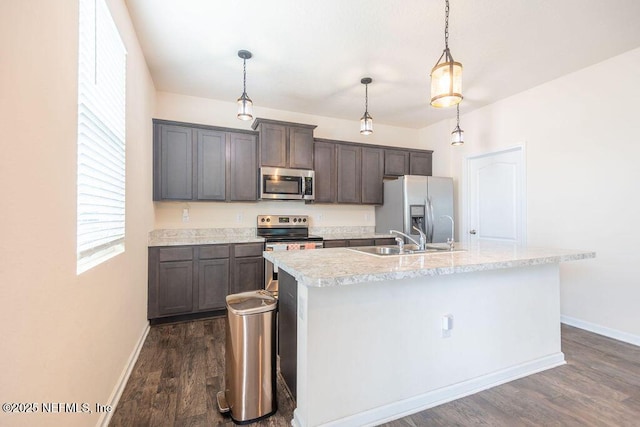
366, 122
446, 76
457, 136
245, 105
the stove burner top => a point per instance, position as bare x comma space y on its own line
285, 228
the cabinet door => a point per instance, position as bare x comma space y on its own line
396, 162
243, 167
175, 288
213, 283
372, 172
325, 177
300, 148
211, 160
248, 274
273, 145
173, 151
349, 173
420, 163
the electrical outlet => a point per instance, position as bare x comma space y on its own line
367, 217
239, 217
447, 325
319, 218
185, 215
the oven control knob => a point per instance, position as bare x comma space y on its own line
268, 219
262, 220
304, 219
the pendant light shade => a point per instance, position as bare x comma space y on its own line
245, 105
366, 121
457, 136
446, 75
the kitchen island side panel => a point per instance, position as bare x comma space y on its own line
374, 351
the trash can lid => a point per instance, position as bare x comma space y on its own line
251, 302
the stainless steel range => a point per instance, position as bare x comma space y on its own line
284, 233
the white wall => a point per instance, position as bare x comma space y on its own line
208, 214
582, 137
65, 338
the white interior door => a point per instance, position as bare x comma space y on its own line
496, 204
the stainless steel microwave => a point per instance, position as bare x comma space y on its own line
286, 184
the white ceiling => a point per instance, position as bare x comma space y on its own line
309, 56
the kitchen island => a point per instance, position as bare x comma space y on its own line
380, 337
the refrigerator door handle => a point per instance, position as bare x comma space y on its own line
427, 219
432, 220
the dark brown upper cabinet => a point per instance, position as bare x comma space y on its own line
349, 166
372, 175
284, 144
420, 163
207, 163
324, 157
348, 172
396, 162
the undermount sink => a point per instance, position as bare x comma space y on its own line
408, 250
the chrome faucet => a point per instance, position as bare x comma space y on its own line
420, 244
450, 240
400, 242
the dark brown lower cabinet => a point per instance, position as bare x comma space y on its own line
248, 268
196, 279
213, 282
175, 291
288, 329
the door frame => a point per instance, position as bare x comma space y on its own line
522, 179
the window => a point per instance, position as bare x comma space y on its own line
101, 137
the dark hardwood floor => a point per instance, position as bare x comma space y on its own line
181, 368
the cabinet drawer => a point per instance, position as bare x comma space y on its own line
248, 249
212, 252
335, 243
386, 241
361, 242
175, 254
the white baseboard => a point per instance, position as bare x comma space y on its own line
124, 377
601, 330
437, 397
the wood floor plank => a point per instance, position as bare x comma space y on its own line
181, 369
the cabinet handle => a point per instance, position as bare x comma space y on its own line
472, 231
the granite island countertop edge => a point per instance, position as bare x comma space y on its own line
374, 268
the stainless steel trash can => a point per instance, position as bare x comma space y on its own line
250, 357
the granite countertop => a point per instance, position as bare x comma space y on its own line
212, 236
202, 236
342, 266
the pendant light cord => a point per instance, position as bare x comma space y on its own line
244, 79
446, 25
366, 98
458, 114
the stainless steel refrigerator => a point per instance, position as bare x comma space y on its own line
422, 201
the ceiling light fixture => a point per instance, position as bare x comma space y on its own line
366, 121
446, 76
245, 105
457, 136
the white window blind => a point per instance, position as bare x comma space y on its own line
101, 136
